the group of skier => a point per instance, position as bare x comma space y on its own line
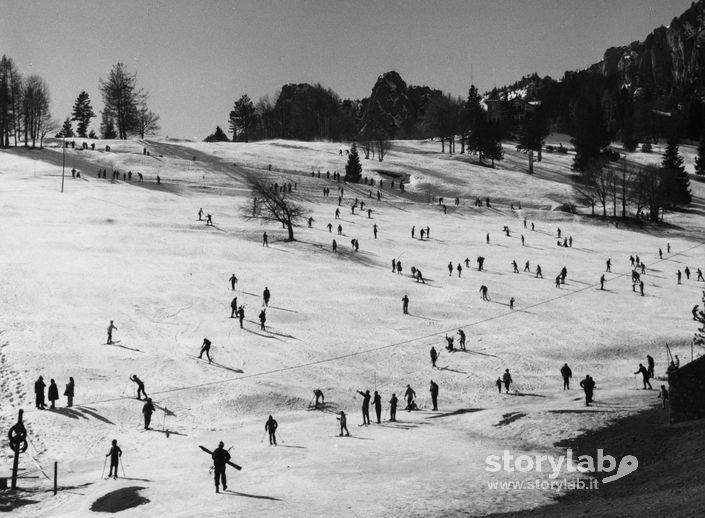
52, 393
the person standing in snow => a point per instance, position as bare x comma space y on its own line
271, 427
262, 320
434, 356
241, 315
405, 304
393, 408
148, 409
434, 394
53, 393
233, 307
588, 385
266, 296
343, 424
409, 395
650, 363
115, 453
319, 395
499, 384
461, 333
507, 379
69, 391
566, 373
220, 458
111, 328
377, 402
233, 282
365, 406
39, 393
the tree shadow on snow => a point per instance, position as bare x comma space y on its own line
82, 413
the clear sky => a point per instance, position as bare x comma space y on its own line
196, 57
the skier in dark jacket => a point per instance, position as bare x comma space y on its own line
69, 392
434, 356
262, 320
434, 394
241, 315
588, 385
205, 348
645, 376
148, 409
343, 424
140, 386
115, 453
271, 426
266, 296
507, 378
319, 395
39, 393
53, 393
410, 395
220, 458
393, 408
377, 401
365, 406
233, 307
567, 374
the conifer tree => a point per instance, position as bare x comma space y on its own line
353, 169
676, 183
82, 113
67, 130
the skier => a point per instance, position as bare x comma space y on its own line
678, 274
399, 268
449, 340
480, 263
558, 281
609, 265
483, 291
68, 392
319, 395
686, 270
413, 230
111, 327
514, 265
53, 393
262, 319
340, 230
567, 374
434, 356
140, 386
641, 287
365, 406
660, 253
233, 282
330, 227
220, 458
487, 238
393, 408
394, 265
527, 268
650, 364
511, 303
602, 282
271, 427
522, 239
434, 394
538, 271
241, 315
450, 269
115, 453
343, 424
507, 379
499, 384
460, 270
405, 303
410, 395
374, 230
588, 385
265, 242
428, 230
266, 296
419, 276
461, 333
377, 402
200, 214
233, 307
206, 348
39, 393
209, 220
148, 409
700, 275
645, 375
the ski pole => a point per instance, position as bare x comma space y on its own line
122, 466
102, 473
265, 435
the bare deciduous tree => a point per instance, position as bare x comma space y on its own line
273, 204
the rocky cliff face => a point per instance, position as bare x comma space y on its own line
669, 61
